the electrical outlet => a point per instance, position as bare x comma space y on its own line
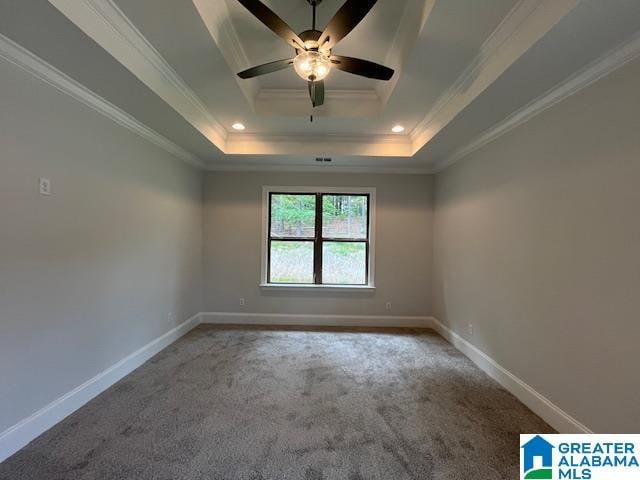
242, 302
44, 186
470, 329
388, 306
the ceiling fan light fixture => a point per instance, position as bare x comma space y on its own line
312, 66
314, 59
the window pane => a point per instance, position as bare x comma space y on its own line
293, 215
291, 262
344, 263
344, 216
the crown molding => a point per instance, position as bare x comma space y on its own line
414, 17
337, 169
524, 25
105, 23
284, 93
594, 71
215, 16
321, 144
21, 57
34, 65
389, 139
338, 103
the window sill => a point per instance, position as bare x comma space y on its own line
302, 286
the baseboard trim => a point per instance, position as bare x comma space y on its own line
538, 403
20, 434
315, 320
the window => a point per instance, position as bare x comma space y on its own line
318, 237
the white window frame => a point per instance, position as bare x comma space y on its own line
266, 190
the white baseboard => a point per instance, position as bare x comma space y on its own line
315, 320
20, 434
538, 403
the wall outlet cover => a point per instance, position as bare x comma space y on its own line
44, 186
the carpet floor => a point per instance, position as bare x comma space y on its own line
278, 403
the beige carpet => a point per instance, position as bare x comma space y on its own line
267, 403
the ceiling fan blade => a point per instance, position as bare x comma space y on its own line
345, 20
316, 93
266, 68
364, 68
273, 21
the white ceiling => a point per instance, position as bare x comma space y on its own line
462, 67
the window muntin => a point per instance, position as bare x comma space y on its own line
334, 227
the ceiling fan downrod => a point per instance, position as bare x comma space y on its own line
314, 4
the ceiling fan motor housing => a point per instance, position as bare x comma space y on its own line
310, 39
312, 64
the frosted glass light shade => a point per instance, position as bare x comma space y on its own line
312, 66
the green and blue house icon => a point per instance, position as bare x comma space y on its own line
540, 448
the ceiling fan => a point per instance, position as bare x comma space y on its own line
314, 58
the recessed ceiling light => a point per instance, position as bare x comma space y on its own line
398, 129
238, 126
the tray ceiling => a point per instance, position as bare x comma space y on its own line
450, 58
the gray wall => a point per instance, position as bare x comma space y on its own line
233, 209
89, 274
537, 243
